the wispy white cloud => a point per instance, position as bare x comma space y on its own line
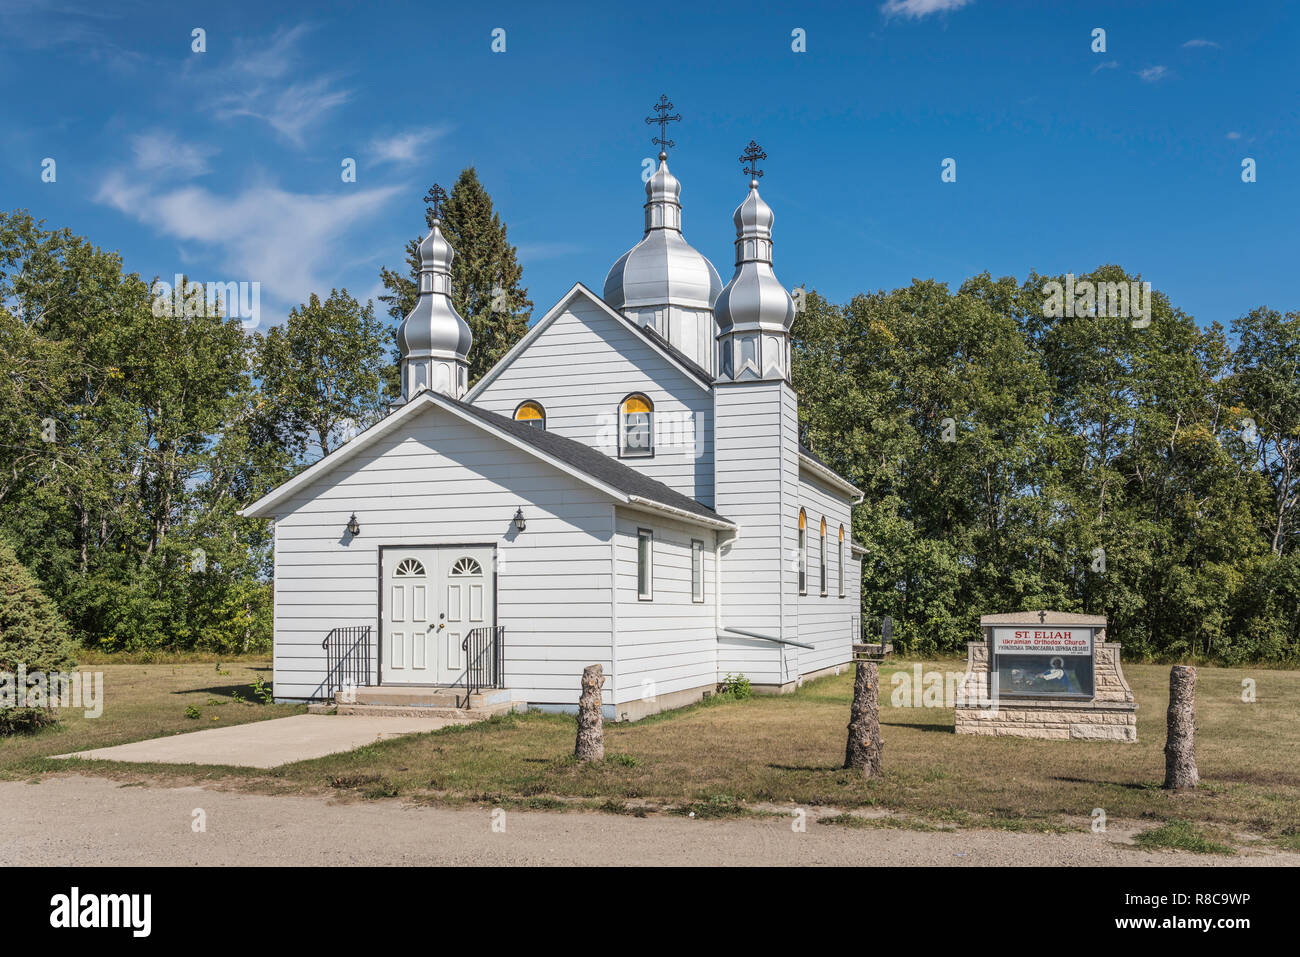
1234, 135
405, 148
271, 59
256, 89
1106, 65
915, 9
289, 242
53, 24
161, 152
1153, 74
1199, 42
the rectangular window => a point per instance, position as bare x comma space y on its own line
645, 556
841, 566
638, 439
697, 570
823, 558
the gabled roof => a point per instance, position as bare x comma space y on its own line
623, 484
669, 352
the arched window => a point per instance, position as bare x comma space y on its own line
803, 553
841, 561
636, 427
823, 555
531, 413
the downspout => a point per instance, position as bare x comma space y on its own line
613, 609
717, 590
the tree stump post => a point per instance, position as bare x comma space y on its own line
864, 746
1180, 742
590, 745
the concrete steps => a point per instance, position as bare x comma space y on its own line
400, 701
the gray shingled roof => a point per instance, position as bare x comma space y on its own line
585, 459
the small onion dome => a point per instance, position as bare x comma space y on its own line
434, 328
663, 269
754, 298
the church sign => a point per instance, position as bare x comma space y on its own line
1046, 674
1043, 661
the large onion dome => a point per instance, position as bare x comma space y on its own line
663, 282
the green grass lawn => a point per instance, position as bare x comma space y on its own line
727, 756
149, 701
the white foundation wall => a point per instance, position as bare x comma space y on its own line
443, 481
582, 366
668, 643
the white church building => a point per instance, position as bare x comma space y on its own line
626, 487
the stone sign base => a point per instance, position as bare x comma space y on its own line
1111, 714
1037, 721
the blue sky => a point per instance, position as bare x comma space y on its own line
226, 164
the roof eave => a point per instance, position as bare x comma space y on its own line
831, 476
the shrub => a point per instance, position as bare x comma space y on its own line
24, 720
736, 686
32, 634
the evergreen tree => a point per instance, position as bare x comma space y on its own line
32, 634
485, 276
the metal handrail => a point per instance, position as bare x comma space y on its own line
347, 658
483, 658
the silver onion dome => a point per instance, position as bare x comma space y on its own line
754, 299
434, 340
663, 281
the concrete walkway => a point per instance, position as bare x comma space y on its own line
267, 744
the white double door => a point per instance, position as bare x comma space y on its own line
433, 597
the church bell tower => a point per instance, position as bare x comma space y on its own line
756, 432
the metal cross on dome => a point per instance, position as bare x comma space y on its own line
663, 119
753, 153
437, 200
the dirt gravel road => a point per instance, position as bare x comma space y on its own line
80, 820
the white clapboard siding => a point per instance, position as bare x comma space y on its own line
826, 621
582, 366
759, 661
440, 480
666, 644
756, 484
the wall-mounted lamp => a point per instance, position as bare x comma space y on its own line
520, 522
354, 527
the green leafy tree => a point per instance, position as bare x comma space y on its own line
132, 435
1265, 415
320, 372
485, 276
